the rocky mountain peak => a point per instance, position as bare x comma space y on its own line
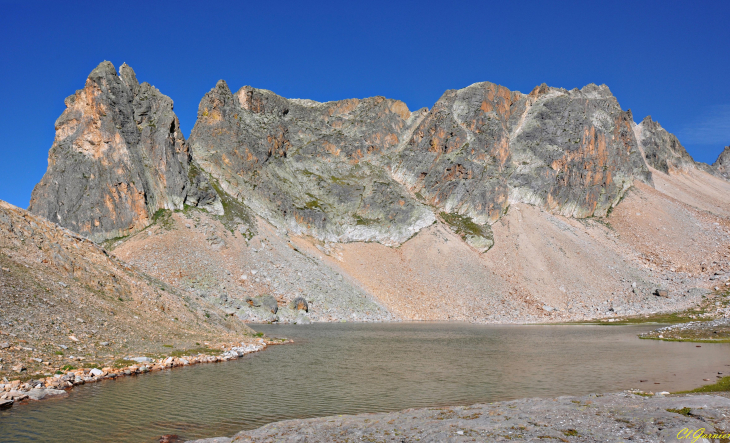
262, 101
482, 147
349, 170
119, 156
129, 77
309, 167
661, 149
722, 164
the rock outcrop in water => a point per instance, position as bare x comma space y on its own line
623, 416
662, 151
118, 157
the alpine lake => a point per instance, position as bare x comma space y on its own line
350, 368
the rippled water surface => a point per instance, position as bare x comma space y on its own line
352, 368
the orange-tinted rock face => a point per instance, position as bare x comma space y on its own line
573, 152
119, 156
356, 169
483, 146
458, 156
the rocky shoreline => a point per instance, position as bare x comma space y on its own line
57, 385
616, 417
715, 331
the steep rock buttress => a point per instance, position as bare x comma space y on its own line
119, 156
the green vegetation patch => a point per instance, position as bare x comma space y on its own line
722, 385
109, 244
235, 212
163, 218
464, 226
195, 351
362, 221
122, 363
699, 313
683, 411
313, 205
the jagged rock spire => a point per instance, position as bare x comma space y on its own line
119, 155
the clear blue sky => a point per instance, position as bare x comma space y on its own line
669, 59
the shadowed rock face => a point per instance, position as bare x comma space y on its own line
309, 167
722, 164
662, 150
119, 155
482, 147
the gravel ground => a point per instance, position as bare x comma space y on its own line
194, 251
618, 417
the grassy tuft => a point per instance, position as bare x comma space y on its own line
235, 212
362, 221
683, 411
722, 385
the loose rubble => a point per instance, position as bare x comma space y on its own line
69, 306
261, 275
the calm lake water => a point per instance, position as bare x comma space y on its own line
352, 368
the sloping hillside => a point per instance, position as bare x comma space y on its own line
66, 301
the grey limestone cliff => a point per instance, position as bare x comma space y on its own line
349, 170
119, 156
310, 167
370, 170
484, 146
661, 149
722, 164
